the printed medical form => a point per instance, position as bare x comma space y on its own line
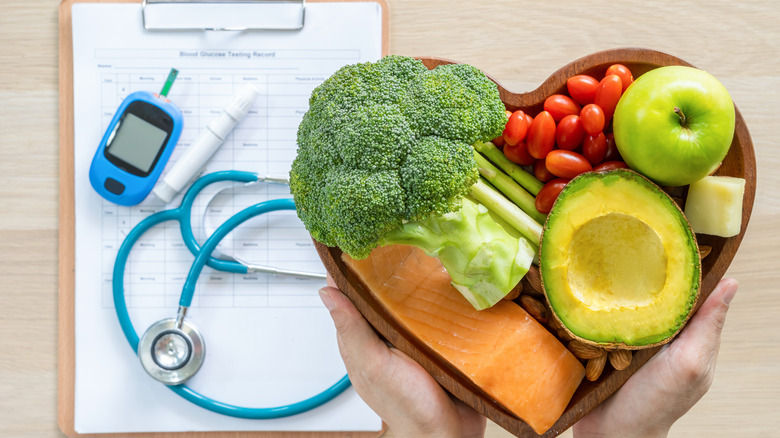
269, 340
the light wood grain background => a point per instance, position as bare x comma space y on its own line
518, 43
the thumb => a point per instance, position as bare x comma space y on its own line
708, 322
359, 345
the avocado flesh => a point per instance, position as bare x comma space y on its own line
619, 262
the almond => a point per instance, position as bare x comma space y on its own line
533, 282
514, 293
584, 351
534, 307
594, 367
704, 251
620, 359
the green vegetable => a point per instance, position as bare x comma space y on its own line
385, 157
494, 154
509, 187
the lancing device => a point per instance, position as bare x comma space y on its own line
194, 159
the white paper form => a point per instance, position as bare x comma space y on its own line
269, 340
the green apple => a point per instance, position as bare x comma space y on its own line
674, 125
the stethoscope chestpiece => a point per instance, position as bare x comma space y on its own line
171, 354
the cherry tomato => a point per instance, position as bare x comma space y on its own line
515, 129
569, 133
499, 141
607, 95
610, 165
626, 78
612, 151
566, 164
560, 106
541, 135
594, 147
518, 154
541, 173
582, 88
548, 194
529, 119
592, 117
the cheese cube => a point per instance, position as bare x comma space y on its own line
714, 205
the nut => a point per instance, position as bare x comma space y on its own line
620, 359
594, 367
584, 351
533, 282
704, 251
534, 307
514, 293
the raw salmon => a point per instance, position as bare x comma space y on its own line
501, 349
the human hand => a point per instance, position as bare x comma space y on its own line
670, 383
396, 387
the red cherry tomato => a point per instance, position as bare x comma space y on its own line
592, 117
529, 119
612, 151
541, 135
569, 133
548, 194
515, 129
541, 173
607, 95
582, 88
626, 78
610, 165
560, 106
594, 148
566, 164
499, 141
518, 154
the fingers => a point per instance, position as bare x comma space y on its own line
359, 345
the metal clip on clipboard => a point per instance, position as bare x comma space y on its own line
215, 15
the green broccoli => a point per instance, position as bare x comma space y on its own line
385, 157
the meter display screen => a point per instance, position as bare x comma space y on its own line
138, 139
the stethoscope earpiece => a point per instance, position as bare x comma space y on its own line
171, 354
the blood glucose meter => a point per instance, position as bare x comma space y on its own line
135, 147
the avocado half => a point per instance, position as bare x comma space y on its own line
619, 262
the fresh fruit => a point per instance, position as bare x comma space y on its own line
515, 129
566, 164
621, 71
608, 94
569, 133
560, 106
541, 173
592, 117
619, 263
503, 350
518, 154
610, 165
714, 205
541, 135
582, 88
549, 193
674, 125
594, 148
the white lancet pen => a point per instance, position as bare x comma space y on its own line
198, 154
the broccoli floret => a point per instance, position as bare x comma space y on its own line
385, 156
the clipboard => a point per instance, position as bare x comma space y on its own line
66, 305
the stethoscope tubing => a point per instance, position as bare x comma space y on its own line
204, 258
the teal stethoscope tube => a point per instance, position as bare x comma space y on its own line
203, 258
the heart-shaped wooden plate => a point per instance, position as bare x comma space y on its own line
740, 162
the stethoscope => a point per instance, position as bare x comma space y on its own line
172, 350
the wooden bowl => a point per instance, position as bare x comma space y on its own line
740, 162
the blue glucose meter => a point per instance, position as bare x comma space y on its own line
137, 144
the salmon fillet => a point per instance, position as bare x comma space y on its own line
502, 349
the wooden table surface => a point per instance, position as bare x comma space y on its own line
518, 43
